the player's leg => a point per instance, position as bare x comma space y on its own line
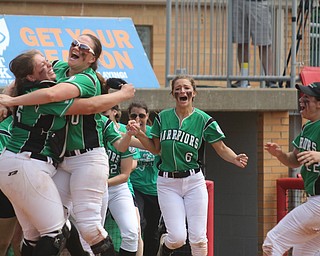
152, 215
16, 240
140, 241
122, 209
8, 222
169, 195
196, 204
298, 226
87, 190
62, 181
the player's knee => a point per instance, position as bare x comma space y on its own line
130, 240
92, 233
53, 243
199, 249
176, 244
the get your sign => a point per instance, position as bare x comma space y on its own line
122, 55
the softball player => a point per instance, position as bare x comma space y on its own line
8, 218
28, 162
144, 182
178, 134
300, 227
120, 202
85, 146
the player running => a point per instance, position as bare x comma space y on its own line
178, 133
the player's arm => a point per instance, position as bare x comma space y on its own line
289, 159
59, 92
126, 168
3, 109
152, 145
123, 143
101, 103
229, 155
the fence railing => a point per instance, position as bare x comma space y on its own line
202, 35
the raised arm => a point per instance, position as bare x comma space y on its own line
229, 155
101, 103
59, 92
152, 145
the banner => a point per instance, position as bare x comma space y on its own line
122, 55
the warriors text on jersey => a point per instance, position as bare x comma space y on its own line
85, 131
182, 141
309, 139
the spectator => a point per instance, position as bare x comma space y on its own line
252, 18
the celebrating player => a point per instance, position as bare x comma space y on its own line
178, 133
144, 182
300, 227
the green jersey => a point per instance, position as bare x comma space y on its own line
180, 142
5, 132
85, 131
144, 177
309, 139
34, 126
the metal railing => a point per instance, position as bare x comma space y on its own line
199, 41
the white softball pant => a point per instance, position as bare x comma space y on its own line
180, 199
28, 184
299, 229
81, 181
123, 211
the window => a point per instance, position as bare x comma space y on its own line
145, 33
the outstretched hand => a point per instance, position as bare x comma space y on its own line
241, 160
273, 148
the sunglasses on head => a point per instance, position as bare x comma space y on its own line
134, 116
82, 47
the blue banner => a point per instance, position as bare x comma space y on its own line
122, 55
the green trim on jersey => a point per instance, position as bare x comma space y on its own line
309, 139
43, 121
85, 131
5, 132
180, 143
144, 177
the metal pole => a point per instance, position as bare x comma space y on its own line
230, 51
293, 45
168, 40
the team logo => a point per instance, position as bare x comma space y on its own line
13, 173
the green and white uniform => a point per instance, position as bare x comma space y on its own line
81, 178
185, 190
309, 139
300, 224
27, 165
6, 208
120, 200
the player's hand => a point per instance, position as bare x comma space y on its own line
242, 160
133, 127
5, 100
128, 90
273, 148
3, 112
308, 157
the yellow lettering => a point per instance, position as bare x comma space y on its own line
123, 59
122, 38
28, 36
